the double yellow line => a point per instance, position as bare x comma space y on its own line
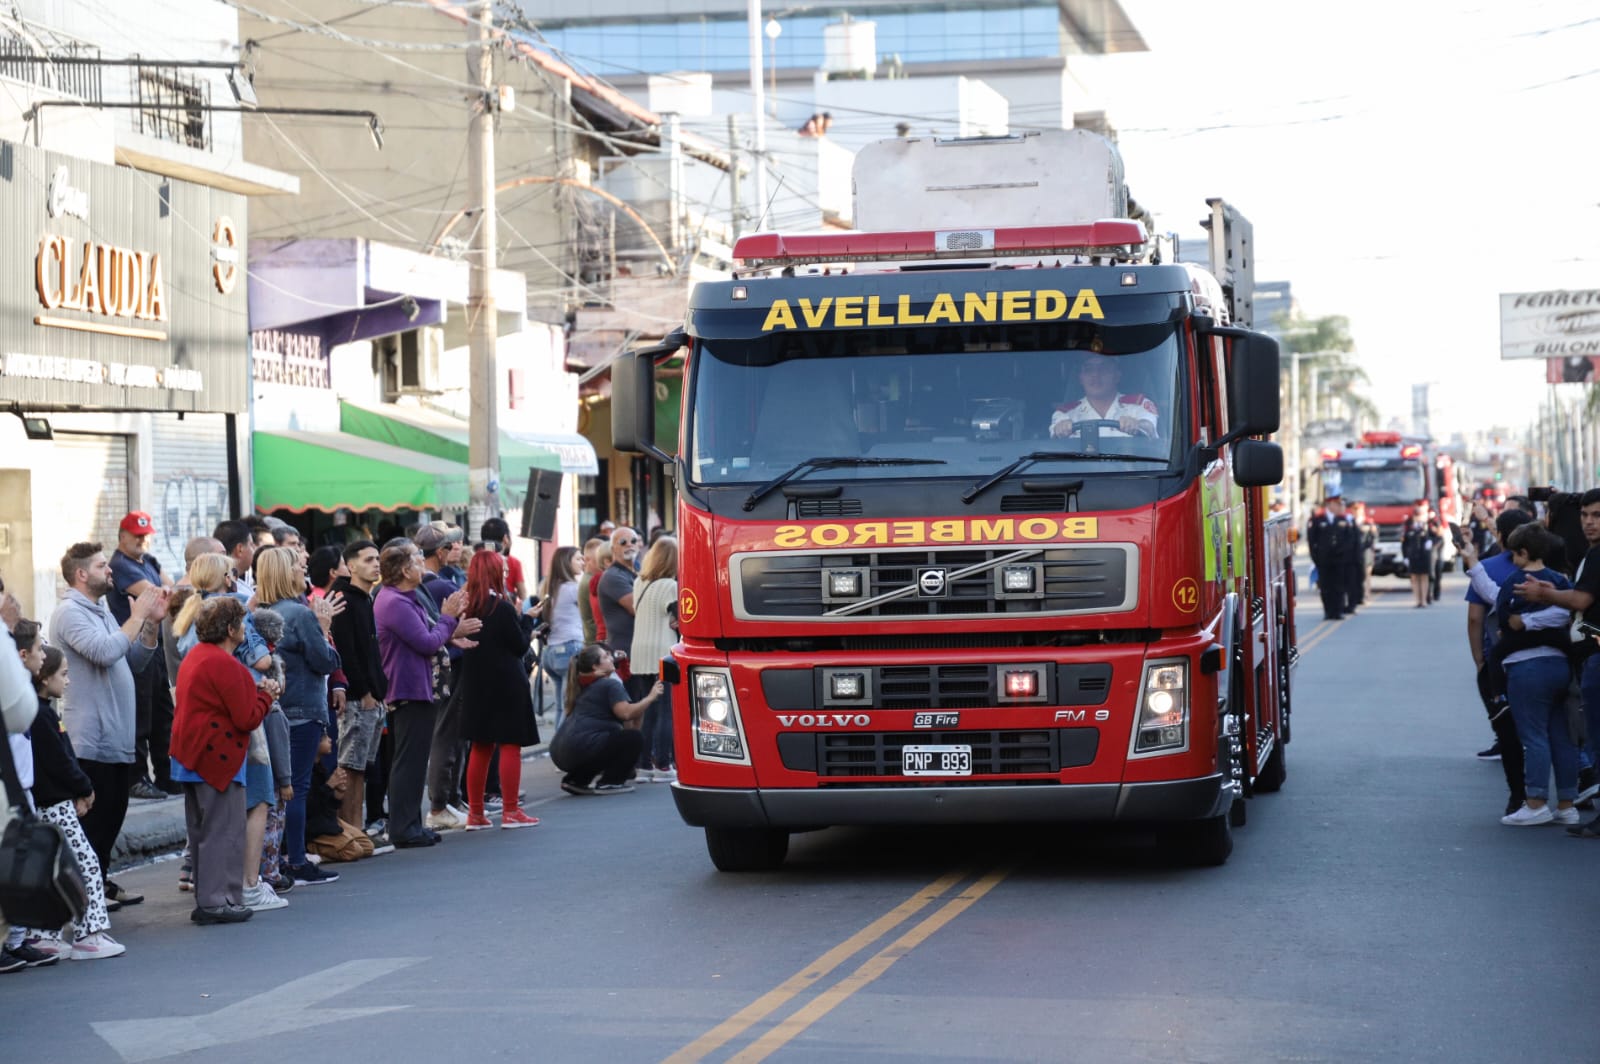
787, 1029
1316, 636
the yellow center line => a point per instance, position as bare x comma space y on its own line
1317, 638
873, 967
1309, 636
806, 977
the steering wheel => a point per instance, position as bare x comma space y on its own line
1096, 423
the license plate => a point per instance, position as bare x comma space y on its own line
936, 760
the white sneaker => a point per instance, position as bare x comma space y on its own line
97, 946
443, 821
1569, 815
1525, 817
644, 775
666, 775
262, 898
460, 812
53, 947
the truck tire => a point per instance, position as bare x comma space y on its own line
747, 849
1274, 772
1200, 843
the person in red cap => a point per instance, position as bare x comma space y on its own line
133, 569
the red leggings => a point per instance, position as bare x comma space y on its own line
478, 775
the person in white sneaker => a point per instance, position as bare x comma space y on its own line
64, 793
1536, 678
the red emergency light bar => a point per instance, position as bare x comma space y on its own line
1381, 439
773, 249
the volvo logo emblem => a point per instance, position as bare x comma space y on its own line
931, 582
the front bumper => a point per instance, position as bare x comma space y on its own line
1172, 800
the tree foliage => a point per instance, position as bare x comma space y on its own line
1326, 351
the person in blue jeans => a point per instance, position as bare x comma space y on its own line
1584, 597
560, 612
1537, 679
308, 660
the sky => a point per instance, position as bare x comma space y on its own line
1403, 163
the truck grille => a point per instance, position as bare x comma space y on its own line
955, 686
790, 586
994, 753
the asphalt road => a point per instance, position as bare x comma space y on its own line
1374, 910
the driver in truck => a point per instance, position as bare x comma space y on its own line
1100, 375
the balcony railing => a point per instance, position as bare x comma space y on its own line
19, 60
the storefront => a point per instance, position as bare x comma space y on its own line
123, 356
360, 392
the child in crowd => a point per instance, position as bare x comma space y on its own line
1528, 552
63, 794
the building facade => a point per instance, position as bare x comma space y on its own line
124, 352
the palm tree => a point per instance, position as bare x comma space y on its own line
1326, 353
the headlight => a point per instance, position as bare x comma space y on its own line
1164, 713
714, 713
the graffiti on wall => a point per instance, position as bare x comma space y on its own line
190, 506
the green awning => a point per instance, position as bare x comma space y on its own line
334, 470
430, 432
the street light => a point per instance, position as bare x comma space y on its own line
774, 30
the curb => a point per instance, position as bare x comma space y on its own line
145, 841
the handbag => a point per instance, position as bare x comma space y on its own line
41, 885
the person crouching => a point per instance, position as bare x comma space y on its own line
592, 747
219, 704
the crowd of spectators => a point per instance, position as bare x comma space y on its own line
305, 704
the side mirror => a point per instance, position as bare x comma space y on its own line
1253, 386
1257, 463
633, 399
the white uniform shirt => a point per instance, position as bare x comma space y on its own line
1131, 405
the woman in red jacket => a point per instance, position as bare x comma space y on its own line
219, 704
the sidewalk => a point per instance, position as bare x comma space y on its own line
155, 827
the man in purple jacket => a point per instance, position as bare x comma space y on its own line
407, 644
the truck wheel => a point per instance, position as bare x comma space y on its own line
1200, 843
746, 849
1274, 772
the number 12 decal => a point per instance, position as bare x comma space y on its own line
1186, 595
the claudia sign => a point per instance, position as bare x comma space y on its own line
109, 281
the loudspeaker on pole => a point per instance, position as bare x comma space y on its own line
539, 508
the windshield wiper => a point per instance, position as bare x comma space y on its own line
1049, 456
829, 463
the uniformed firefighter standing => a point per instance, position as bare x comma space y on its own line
1335, 543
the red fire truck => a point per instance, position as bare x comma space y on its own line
973, 515
1389, 472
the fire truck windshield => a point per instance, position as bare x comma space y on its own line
1395, 486
966, 400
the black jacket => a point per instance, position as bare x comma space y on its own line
355, 636
56, 775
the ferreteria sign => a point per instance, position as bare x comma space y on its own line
1553, 324
131, 281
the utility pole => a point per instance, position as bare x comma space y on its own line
483, 450
758, 91
735, 172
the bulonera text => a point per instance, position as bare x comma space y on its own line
847, 312
913, 533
